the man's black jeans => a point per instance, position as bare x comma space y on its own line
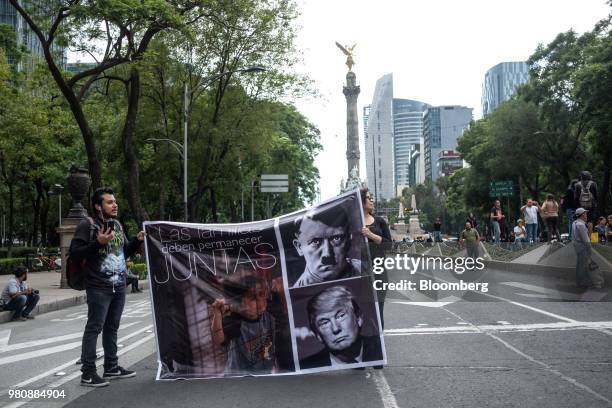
103, 315
22, 305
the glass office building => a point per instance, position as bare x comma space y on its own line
442, 126
500, 83
24, 35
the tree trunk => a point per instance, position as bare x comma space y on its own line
37, 203
11, 219
131, 161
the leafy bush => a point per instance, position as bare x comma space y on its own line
140, 269
8, 265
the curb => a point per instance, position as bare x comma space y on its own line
5, 316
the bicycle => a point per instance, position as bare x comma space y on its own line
53, 263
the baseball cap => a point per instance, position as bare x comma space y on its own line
580, 211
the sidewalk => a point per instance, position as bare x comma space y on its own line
52, 298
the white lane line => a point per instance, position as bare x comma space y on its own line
5, 336
66, 365
540, 363
502, 322
42, 352
471, 328
76, 374
386, 395
35, 343
535, 309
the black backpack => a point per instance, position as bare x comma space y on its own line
585, 198
75, 274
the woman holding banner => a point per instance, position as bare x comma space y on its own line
377, 232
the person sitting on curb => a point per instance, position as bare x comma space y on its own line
18, 297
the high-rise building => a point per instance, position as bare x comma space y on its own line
391, 127
442, 126
379, 141
407, 132
448, 162
500, 83
24, 35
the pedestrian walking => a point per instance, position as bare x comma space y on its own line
530, 212
550, 213
105, 248
497, 220
582, 246
471, 239
438, 230
568, 204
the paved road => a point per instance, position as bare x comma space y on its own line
516, 345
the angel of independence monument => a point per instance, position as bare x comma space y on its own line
351, 92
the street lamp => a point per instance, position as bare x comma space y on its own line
182, 147
59, 189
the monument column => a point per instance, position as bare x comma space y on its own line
351, 92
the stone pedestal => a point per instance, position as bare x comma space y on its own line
78, 184
66, 232
415, 226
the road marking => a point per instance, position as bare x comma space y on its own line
502, 322
386, 395
541, 363
425, 304
5, 336
465, 327
535, 309
68, 364
76, 374
34, 343
546, 291
42, 352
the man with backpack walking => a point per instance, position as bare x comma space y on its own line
585, 194
101, 249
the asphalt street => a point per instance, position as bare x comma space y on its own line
529, 341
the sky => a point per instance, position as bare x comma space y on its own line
437, 50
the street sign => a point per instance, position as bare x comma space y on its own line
503, 188
274, 183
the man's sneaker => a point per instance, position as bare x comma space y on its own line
118, 372
93, 380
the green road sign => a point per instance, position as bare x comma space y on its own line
501, 188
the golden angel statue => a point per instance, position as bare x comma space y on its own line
348, 51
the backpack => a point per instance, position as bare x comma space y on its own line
586, 197
75, 274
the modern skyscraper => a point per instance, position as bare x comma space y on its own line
500, 83
407, 132
391, 128
379, 141
24, 35
442, 126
